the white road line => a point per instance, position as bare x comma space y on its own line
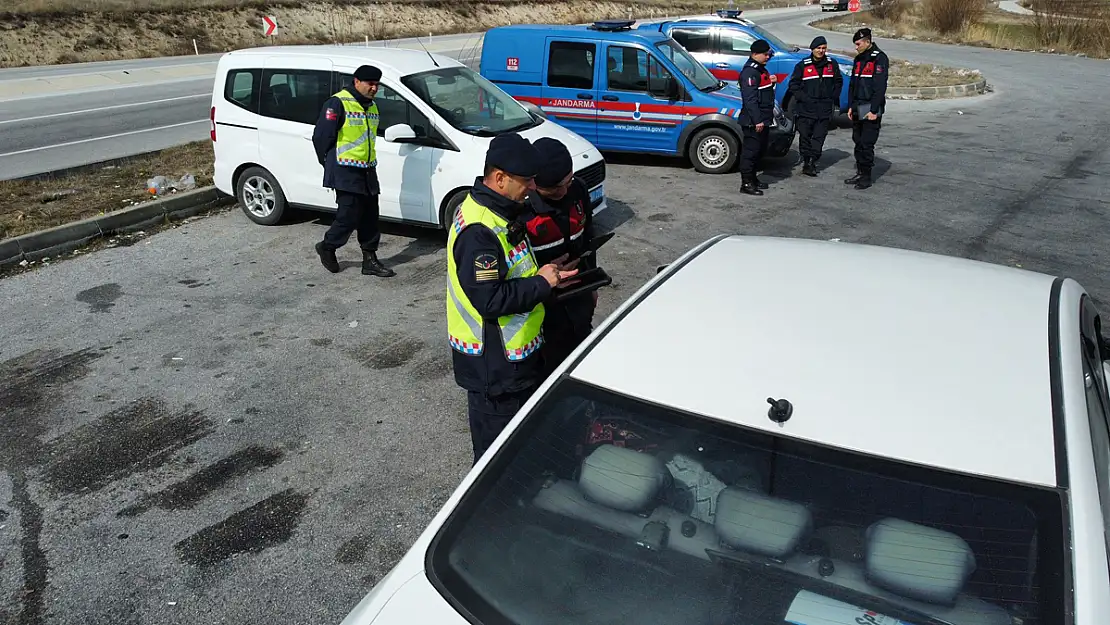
105, 108
115, 136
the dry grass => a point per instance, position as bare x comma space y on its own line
950, 16
1089, 35
58, 31
32, 205
911, 74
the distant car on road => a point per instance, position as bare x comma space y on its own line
436, 119
832, 434
722, 43
834, 5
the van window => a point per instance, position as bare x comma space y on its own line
241, 88
395, 109
736, 42
295, 95
571, 65
694, 40
628, 69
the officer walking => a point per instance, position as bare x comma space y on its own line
815, 88
559, 217
496, 290
867, 102
344, 140
757, 87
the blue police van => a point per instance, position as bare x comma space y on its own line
624, 90
722, 41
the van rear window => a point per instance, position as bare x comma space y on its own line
241, 88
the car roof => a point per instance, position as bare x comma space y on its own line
397, 61
583, 31
711, 20
919, 357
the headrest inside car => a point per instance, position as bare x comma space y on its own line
621, 478
917, 561
760, 524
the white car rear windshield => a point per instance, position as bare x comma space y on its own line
606, 510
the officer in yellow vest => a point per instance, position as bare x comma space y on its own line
495, 291
344, 141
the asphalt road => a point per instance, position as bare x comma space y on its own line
63, 116
206, 426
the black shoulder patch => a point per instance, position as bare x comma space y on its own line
485, 268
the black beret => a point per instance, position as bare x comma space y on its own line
818, 41
760, 46
368, 73
863, 33
512, 153
555, 162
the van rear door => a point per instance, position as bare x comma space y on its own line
570, 86
294, 90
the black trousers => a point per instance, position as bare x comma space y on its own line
753, 149
565, 326
489, 415
865, 134
811, 136
355, 211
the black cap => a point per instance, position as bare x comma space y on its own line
760, 46
818, 41
512, 153
863, 33
555, 162
368, 73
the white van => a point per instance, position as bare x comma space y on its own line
437, 118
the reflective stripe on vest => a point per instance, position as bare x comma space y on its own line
521, 333
354, 147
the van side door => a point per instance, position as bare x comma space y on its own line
570, 85
630, 117
294, 90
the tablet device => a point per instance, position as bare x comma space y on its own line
590, 280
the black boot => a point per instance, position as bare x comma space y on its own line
327, 258
371, 266
810, 167
854, 179
749, 187
864, 179
758, 184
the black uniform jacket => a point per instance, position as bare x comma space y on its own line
869, 76
476, 249
758, 93
815, 87
557, 227
336, 176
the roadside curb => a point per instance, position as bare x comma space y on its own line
67, 237
934, 93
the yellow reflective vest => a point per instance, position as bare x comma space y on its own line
354, 147
521, 334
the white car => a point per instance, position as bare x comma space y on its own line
437, 118
790, 431
834, 5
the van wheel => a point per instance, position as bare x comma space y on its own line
714, 151
449, 209
260, 196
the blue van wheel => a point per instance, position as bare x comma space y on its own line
714, 151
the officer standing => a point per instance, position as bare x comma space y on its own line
559, 217
495, 292
344, 140
757, 87
867, 102
815, 88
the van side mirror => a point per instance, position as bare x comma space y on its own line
400, 133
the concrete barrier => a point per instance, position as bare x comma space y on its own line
933, 93
68, 237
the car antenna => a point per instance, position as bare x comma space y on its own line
429, 53
780, 410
